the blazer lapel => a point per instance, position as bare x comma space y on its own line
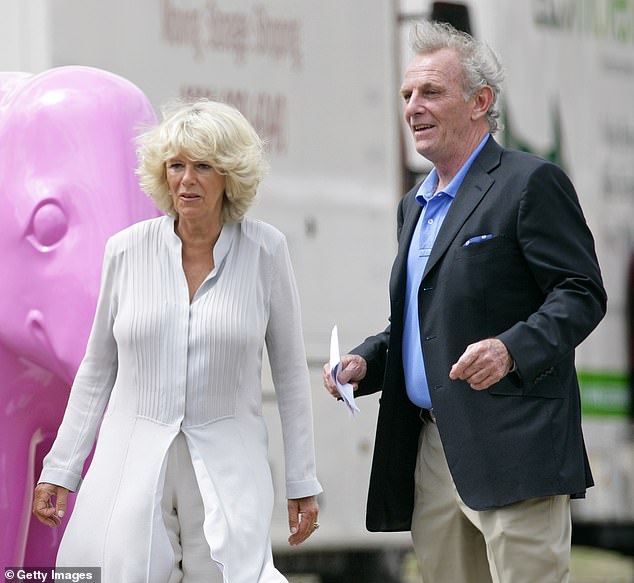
475, 185
409, 225
411, 214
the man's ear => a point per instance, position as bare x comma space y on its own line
482, 100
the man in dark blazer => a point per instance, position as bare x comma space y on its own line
479, 445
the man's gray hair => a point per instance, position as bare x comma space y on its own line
480, 65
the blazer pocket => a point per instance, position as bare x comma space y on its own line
547, 386
496, 244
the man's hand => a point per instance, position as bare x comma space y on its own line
302, 518
42, 503
352, 370
482, 364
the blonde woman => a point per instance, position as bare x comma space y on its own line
179, 488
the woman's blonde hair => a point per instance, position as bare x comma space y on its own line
204, 131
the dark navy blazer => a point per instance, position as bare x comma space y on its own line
535, 285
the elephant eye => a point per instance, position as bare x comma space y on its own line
48, 225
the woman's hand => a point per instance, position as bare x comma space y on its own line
302, 518
43, 507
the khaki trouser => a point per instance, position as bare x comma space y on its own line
525, 542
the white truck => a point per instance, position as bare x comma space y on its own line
320, 81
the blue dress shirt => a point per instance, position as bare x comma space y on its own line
435, 207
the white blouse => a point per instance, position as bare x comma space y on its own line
161, 366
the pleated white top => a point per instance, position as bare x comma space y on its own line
162, 365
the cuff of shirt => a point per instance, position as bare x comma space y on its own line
303, 488
59, 477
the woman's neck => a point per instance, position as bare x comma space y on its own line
198, 233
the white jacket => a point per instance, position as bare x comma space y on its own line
161, 366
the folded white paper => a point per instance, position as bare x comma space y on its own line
346, 391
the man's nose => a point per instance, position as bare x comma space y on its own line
414, 105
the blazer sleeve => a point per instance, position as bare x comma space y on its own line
285, 346
559, 249
90, 391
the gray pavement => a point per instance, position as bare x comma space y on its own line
588, 566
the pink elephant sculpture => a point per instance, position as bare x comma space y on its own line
67, 159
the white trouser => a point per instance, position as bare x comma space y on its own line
180, 553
